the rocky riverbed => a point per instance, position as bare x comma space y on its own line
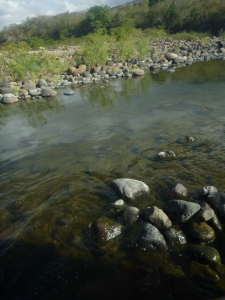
166, 55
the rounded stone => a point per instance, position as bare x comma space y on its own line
204, 254
130, 215
157, 216
181, 210
201, 232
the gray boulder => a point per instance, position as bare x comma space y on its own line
9, 98
34, 92
48, 92
181, 210
151, 238
5, 90
4, 83
170, 56
130, 215
130, 188
157, 216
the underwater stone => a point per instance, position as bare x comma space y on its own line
106, 229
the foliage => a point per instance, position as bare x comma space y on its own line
95, 49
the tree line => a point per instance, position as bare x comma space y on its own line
170, 15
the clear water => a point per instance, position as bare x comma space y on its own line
57, 158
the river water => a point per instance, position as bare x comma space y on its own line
57, 159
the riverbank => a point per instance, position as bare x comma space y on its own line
167, 55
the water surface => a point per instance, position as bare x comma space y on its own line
57, 159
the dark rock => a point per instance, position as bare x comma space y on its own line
203, 272
157, 217
106, 229
201, 232
175, 237
181, 210
130, 215
130, 188
205, 191
151, 238
215, 223
204, 254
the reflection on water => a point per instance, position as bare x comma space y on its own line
58, 157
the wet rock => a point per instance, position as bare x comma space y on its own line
130, 215
48, 92
167, 154
119, 202
214, 200
106, 229
205, 191
157, 216
203, 272
9, 98
151, 238
130, 188
178, 191
181, 210
175, 237
204, 254
205, 213
201, 232
215, 223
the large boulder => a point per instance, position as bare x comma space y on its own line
181, 210
48, 92
9, 98
130, 188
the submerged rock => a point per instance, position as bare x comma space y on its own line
181, 210
203, 272
167, 154
204, 254
130, 215
130, 188
106, 229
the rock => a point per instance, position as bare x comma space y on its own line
214, 200
154, 66
181, 210
205, 213
5, 90
42, 83
130, 188
170, 71
215, 223
85, 74
157, 216
203, 272
71, 70
151, 238
48, 92
178, 191
28, 84
119, 202
34, 93
106, 229
167, 154
68, 93
205, 191
189, 138
137, 72
130, 215
201, 232
170, 56
175, 237
9, 98
4, 83
204, 254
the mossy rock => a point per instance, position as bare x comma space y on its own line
203, 273
205, 254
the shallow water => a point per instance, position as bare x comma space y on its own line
57, 158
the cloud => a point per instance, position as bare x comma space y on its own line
16, 11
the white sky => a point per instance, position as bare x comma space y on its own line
16, 11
